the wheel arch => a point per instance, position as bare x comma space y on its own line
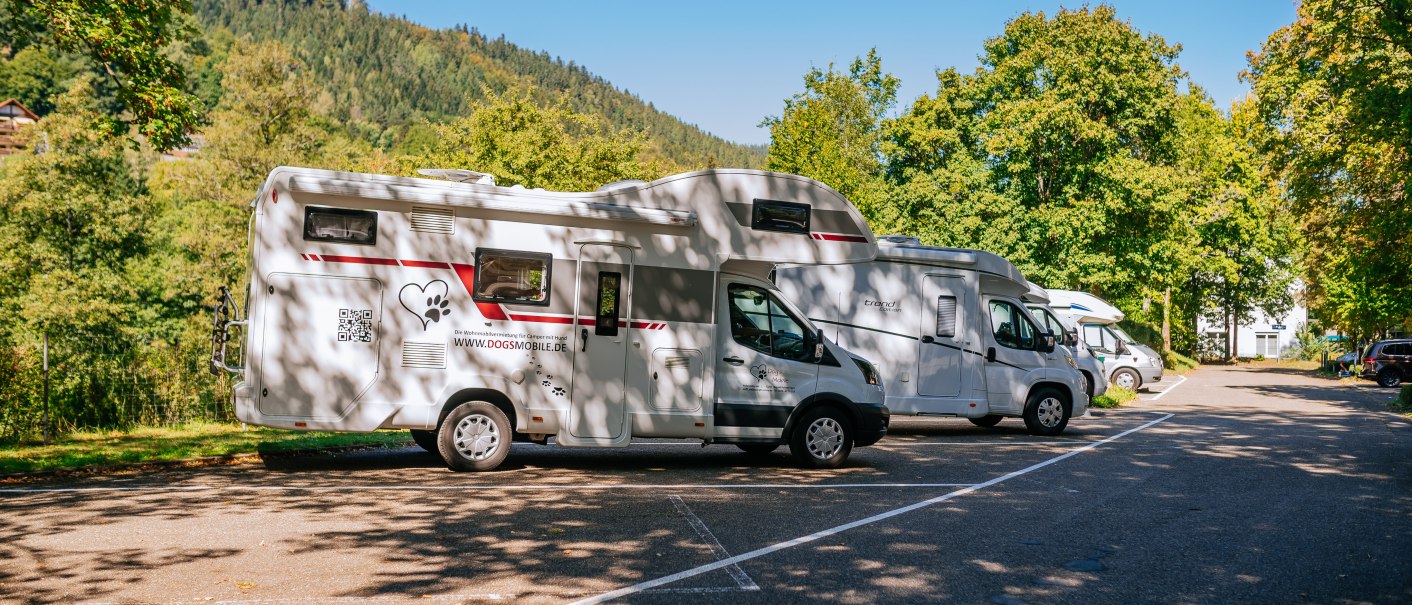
818, 400
1063, 390
491, 396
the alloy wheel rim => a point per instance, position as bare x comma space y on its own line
477, 437
1051, 412
1125, 380
824, 438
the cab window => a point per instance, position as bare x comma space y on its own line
759, 322
1012, 328
1049, 323
1099, 338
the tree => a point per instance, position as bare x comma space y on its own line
1333, 87
127, 39
832, 132
522, 143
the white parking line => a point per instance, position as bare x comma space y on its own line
1168, 389
457, 488
636, 588
741, 578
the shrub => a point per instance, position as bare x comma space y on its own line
1177, 362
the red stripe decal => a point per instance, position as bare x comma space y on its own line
543, 319
467, 275
830, 237
425, 264
360, 260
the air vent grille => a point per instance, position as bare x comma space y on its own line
423, 354
678, 362
433, 220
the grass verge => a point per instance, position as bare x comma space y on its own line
1177, 363
1403, 403
157, 444
1114, 397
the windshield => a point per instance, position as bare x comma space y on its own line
1121, 334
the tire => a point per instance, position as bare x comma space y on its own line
1047, 412
483, 433
758, 449
1088, 383
1127, 378
822, 438
1389, 378
427, 440
987, 421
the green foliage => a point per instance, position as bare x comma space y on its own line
1333, 89
1178, 363
36, 77
128, 38
1114, 397
832, 131
522, 143
1404, 398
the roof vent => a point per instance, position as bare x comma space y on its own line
901, 239
458, 175
623, 184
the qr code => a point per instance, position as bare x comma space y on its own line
355, 325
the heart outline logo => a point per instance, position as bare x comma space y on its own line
430, 303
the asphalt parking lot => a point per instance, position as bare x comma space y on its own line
1238, 485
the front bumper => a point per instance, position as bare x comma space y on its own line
1151, 374
872, 423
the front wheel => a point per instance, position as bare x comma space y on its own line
474, 437
426, 439
823, 438
986, 421
1047, 413
1127, 378
1389, 378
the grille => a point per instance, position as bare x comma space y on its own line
433, 220
423, 354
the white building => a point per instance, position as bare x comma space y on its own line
1271, 337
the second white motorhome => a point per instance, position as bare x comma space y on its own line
475, 314
1089, 365
1127, 363
949, 331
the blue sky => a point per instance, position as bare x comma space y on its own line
725, 65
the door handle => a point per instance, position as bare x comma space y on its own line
583, 339
928, 339
733, 360
990, 354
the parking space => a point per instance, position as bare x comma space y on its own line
553, 525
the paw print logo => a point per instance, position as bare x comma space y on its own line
546, 383
437, 308
559, 391
759, 371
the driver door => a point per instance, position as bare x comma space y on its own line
765, 366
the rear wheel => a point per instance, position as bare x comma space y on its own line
823, 438
1389, 378
986, 421
474, 437
1047, 412
757, 449
426, 439
1127, 378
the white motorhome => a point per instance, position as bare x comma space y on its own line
1127, 363
948, 330
474, 314
1089, 365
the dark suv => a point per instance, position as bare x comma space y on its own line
1389, 362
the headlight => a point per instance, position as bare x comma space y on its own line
870, 374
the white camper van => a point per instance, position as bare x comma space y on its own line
948, 330
1089, 365
1128, 364
474, 314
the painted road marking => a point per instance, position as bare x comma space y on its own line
637, 588
741, 578
1168, 389
338, 488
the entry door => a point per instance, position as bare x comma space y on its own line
598, 392
943, 339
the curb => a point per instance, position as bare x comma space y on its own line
226, 459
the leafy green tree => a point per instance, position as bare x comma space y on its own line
832, 132
36, 77
127, 38
1333, 87
522, 143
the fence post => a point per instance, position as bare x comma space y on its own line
46, 389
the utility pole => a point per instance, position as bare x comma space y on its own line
46, 389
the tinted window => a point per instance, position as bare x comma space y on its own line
341, 226
1049, 323
606, 320
789, 217
1012, 328
759, 322
508, 276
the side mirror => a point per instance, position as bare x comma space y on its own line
1047, 345
1120, 347
819, 344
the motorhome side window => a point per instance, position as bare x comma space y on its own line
759, 322
946, 316
606, 320
1011, 327
1099, 338
340, 226
787, 217
508, 276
